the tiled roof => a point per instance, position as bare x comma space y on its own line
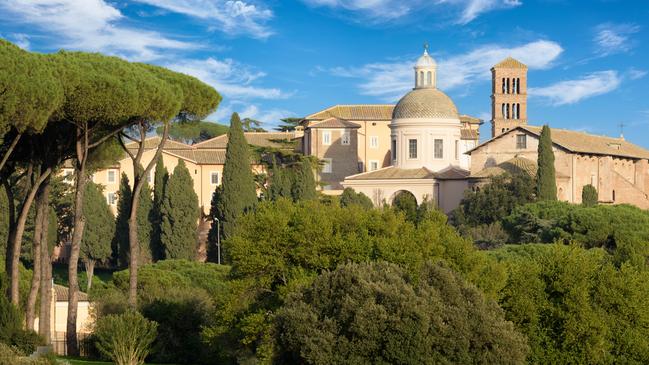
510, 63
355, 112
581, 142
452, 173
62, 293
214, 157
469, 119
260, 139
334, 123
469, 133
425, 103
153, 142
513, 166
395, 173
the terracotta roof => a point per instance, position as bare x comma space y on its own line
581, 142
452, 173
510, 63
425, 103
392, 172
334, 123
214, 157
261, 139
513, 166
469, 133
153, 142
355, 112
62, 293
469, 119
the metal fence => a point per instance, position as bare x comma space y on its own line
86, 347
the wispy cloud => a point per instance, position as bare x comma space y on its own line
232, 17
21, 40
385, 11
390, 80
635, 74
90, 25
613, 38
573, 91
268, 117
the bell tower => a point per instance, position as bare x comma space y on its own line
508, 96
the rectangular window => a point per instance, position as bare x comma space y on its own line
110, 198
346, 138
374, 141
412, 148
521, 141
326, 167
214, 178
394, 150
457, 149
439, 148
374, 165
111, 176
326, 137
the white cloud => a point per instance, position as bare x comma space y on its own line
233, 17
269, 118
21, 40
635, 74
381, 11
228, 77
573, 91
389, 81
89, 25
614, 38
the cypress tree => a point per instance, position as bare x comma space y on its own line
281, 181
144, 226
159, 181
212, 236
95, 244
546, 184
304, 184
120, 240
239, 194
180, 215
589, 196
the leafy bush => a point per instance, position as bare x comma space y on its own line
589, 196
575, 306
487, 236
180, 314
125, 338
350, 197
11, 329
406, 203
374, 313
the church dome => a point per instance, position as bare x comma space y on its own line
425, 103
426, 60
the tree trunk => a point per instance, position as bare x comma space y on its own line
90, 271
45, 313
134, 246
17, 237
78, 224
41, 206
10, 150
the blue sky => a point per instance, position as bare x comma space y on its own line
270, 59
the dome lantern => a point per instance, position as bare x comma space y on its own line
425, 71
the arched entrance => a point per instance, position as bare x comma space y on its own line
405, 202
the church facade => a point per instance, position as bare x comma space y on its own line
424, 146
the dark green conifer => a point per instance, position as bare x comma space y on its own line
589, 196
159, 181
120, 240
304, 184
98, 230
180, 215
546, 184
239, 194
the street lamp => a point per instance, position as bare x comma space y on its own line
218, 241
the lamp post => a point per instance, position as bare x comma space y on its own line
218, 241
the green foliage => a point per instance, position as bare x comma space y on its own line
213, 234
487, 236
120, 240
239, 195
159, 184
193, 132
375, 313
575, 307
4, 220
288, 124
282, 246
406, 203
100, 225
589, 196
623, 230
125, 338
11, 329
181, 314
180, 215
350, 197
494, 201
304, 185
282, 179
546, 183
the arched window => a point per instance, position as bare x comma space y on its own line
503, 85
518, 111
421, 78
504, 112
507, 110
429, 78
614, 195
518, 86
513, 86
508, 86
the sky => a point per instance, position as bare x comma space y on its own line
588, 59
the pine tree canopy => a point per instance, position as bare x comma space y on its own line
239, 194
546, 183
180, 214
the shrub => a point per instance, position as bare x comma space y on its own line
125, 338
374, 313
12, 332
487, 236
589, 196
350, 197
406, 203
